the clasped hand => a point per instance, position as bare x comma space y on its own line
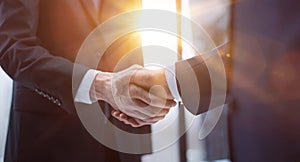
139, 96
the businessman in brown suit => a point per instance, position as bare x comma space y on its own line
262, 68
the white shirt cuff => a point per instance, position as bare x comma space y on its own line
171, 81
83, 92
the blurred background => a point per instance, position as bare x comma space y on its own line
213, 16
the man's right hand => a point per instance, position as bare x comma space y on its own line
146, 79
136, 92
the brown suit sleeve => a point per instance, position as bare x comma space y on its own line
194, 80
194, 83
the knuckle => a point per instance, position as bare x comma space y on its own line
132, 90
146, 98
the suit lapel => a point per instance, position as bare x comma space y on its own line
91, 9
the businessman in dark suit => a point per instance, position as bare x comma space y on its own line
262, 67
39, 43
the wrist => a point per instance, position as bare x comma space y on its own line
102, 86
162, 81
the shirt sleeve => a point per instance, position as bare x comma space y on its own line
171, 81
83, 92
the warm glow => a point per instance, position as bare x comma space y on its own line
159, 38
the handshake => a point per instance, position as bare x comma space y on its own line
139, 96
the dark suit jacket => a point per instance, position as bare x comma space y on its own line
39, 42
264, 79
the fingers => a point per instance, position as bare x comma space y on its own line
150, 112
137, 92
120, 115
128, 120
144, 102
152, 78
133, 121
147, 112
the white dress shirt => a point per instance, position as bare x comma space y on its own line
171, 81
83, 92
